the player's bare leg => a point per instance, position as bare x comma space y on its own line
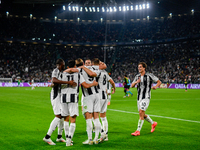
140, 123
153, 124
128, 91
126, 94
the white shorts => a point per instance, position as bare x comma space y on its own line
103, 95
103, 103
91, 103
56, 104
143, 104
69, 109
82, 100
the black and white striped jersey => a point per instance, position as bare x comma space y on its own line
56, 89
144, 87
70, 94
89, 79
103, 79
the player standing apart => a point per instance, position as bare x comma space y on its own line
19, 82
185, 82
144, 81
55, 101
32, 84
69, 100
127, 84
103, 79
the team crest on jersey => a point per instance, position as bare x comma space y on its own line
85, 107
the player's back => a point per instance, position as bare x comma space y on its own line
66, 88
103, 79
68, 92
89, 79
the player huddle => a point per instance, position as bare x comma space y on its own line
93, 80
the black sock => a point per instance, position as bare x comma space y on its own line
59, 136
47, 136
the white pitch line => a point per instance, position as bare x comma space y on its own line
161, 100
136, 113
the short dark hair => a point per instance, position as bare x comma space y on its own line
71, 63
144, 65
59, 61
79, 62
87, 59
96, 61
125, 75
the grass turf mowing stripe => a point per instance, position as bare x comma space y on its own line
136, 113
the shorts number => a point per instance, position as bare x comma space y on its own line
104, 79
143, 104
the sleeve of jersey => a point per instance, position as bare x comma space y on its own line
55, 73
81, 79
79, 69
154, 78
97, 72
108, 77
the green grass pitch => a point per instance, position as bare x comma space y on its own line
25, 116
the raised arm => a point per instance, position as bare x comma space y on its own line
55, 80
71, 70
88, 71
86, 85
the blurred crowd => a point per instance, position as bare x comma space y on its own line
36, 29
27, 61
172, 62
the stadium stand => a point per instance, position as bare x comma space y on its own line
170, 61
26, 29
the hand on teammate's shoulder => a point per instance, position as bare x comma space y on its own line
95, 83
